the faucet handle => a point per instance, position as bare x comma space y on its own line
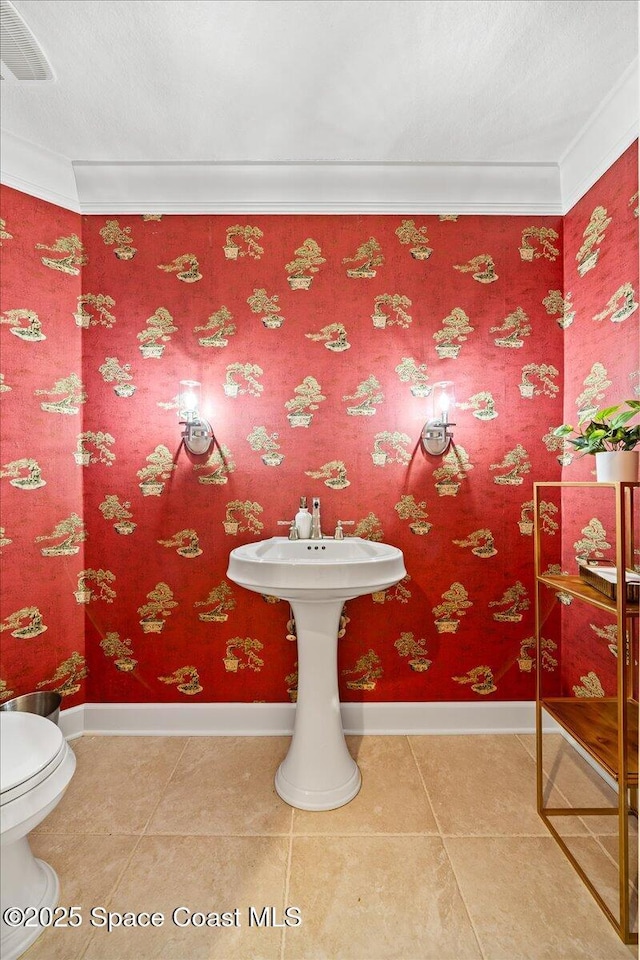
293, 530
339, 534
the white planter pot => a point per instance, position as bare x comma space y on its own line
617, 465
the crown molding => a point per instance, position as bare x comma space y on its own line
38, 172
603, 139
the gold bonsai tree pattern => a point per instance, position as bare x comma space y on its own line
481, 267
589, 686
537, 243
514, 600
368, 256
186, 268
243, 242
73, 255
594, 234
481, 542
389, 309
609, 634
515, 328
113, 371
526, 658
368, 394
480, 678
95, 585
260, 440
594, 544
334, 336
545, 374
156, 334
68, 675
395, 452
307, 398
249, 372
408, 509
24, 623
334, 474
221, 601
33, 478
220, 462
560, 307
239, 647
407, 233
99, 315
547, 660
112, 509
186, 543
261, 303
30, 327
4, 539
596, 384
399, 592
547, 511
221, 326
408, 646
453, 333
455, 603
101, 453
5, 235
158, 469
113, 646
554, 444
186, 679
158, 607
410, 371
370, 669
306, 263
516, 462
70, 533
71, 392
120, 238
369, 528
453, 470
248, 510
5, 693
482, 405
616, 310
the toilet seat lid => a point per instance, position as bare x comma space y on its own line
28, 744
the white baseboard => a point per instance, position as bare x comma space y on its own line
276, 719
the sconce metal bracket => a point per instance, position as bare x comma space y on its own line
197, 436
436, 437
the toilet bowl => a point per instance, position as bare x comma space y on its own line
36, 765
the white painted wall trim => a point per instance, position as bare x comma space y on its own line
276, 719
321, 187
603, 139
37, 172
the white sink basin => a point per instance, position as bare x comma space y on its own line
316, 569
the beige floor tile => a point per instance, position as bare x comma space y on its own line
391, 799
602, 870
481, 785
88, 869
207, 875
225, 785
376, 898
530, 904
116, 784
576, 780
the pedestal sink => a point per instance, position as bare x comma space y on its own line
316, 577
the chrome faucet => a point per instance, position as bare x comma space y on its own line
316, 529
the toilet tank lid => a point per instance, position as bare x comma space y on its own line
27, 744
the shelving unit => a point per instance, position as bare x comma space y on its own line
605, 728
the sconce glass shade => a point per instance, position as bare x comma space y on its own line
197, 434
436, 435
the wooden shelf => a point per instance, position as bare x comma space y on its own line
577, 587
593, 723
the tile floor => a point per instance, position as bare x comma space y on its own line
441, 855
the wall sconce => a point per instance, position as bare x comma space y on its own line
436, 435
197, 434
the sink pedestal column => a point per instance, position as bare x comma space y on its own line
318, 772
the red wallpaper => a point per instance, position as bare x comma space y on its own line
226, 300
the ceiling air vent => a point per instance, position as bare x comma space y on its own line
20, 55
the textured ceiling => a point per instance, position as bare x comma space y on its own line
336, 80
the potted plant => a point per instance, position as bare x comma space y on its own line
609, 436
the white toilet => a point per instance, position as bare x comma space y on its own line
36, 765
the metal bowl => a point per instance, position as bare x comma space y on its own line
44, 703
